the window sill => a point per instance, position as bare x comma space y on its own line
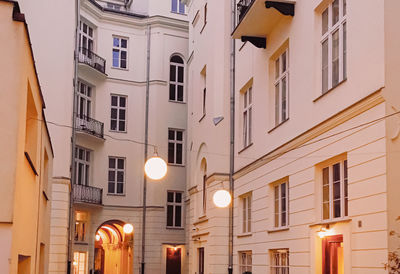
176, 101
246, 147
278, 229
123, 69
175, 228
243, 235
175, 12
177, 165
202, 117
205, 24
201, 219
329, 90
116, 194
80, 243
116, 131
331, 221
278, 125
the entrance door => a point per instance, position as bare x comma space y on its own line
332, 255
173, 261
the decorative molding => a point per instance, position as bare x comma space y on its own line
193, 190
368, 102
223, 177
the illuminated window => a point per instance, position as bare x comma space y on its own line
79, 263
279, 261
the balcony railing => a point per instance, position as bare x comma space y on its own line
89, 58
89, 125
242, 7
88, 194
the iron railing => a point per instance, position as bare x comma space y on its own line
90, 125
242, 8
88, 57
88, 194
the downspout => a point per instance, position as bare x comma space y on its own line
146, 141
73, 169
232, 136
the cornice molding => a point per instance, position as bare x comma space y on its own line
348, 113
141, 23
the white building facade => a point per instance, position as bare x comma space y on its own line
316, 136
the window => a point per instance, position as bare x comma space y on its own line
204, 101
334, 191
174, 209
281, 88
175, 146
281, 204
200, 252
82, 166
247, 117
120, 52
204, 194
177, 6
86, 39
31, 128
84, 101
176, 73
333, 43
279, 261
246, 214
205, 14
245, 262
116, 175
80, 226
203, 76
118, 113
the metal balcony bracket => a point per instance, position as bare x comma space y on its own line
259, 42
282, 7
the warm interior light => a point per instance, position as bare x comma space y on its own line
222, 198
128, 228
75, 263
321, 233
155, 168
175, 248
97, 237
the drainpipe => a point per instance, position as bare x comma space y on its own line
146, 141
232, 136
73, 170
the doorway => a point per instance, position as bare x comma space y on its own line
173, 260
332, 255
113, 249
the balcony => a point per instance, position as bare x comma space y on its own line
91, 59
90, 126
257, 18
88, 194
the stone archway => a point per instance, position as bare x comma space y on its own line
113, 249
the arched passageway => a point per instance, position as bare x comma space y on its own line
114, 248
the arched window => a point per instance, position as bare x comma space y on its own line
176, 76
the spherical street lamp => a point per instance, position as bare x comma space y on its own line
222, 198
155, 168
128, 228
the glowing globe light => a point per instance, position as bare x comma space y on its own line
97, 237
222, 198
128, 228
155, 168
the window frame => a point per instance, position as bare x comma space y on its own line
280, 76
86, 166
87, 97
178, 4
116, 169
277, 268
176, 82
120, 49
327, 36
343, 169
246, 211
279, 212
175, 142
118, 108
247, 116
89, 38
174, 205
247, 265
